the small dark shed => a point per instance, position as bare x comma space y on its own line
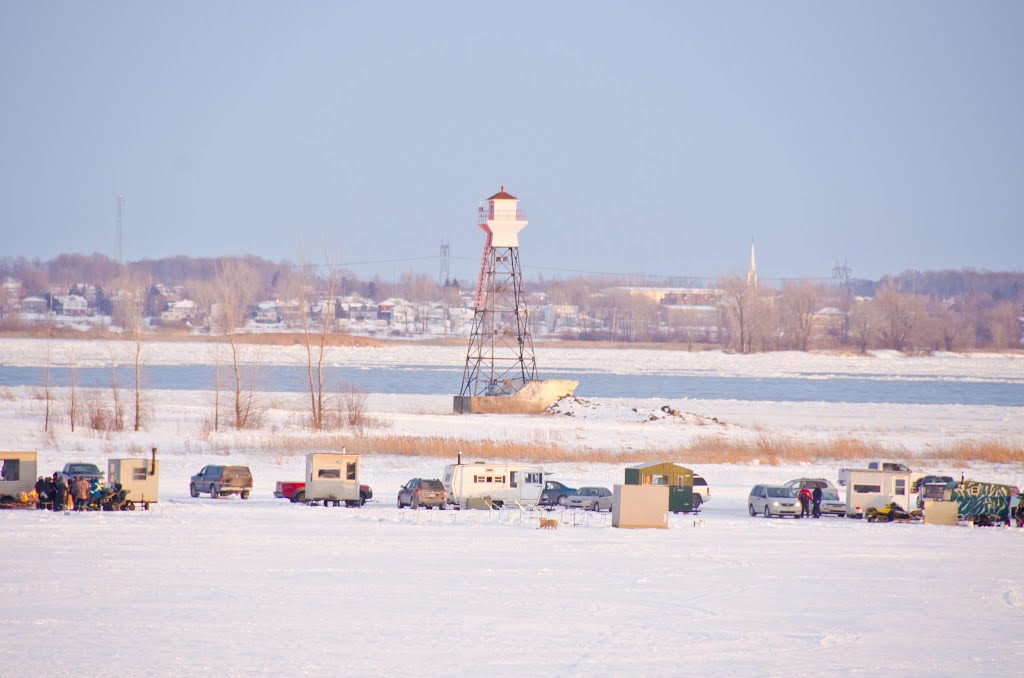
679, 480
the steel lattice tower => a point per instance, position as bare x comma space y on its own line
500, 358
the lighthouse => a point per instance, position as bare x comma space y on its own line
500, 359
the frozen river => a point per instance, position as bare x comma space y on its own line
432, 380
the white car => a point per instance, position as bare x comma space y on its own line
591, 499
773, 500
701, 491
831, 504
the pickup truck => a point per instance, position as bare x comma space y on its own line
296, 491
81, 470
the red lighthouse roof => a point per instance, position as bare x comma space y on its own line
502, 195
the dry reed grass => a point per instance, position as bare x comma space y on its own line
765, 449
991, 451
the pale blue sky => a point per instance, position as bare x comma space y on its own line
650, 137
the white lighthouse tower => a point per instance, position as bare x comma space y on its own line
500, 358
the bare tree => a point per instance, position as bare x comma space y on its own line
316, 341
800, 304
129, 313
863, 325
898, 314
237, 282
47, 396
73, 396
118, 409
740, 303
1002, 322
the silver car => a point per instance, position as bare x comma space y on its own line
773, 500
591, 498
831, 504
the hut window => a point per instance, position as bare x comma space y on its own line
139, 473
329, 473
659, 480
867, 489
350, 471
901, 486
11, 470
679, 482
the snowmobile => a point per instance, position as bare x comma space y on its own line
889, 513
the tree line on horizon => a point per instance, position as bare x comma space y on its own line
912, 311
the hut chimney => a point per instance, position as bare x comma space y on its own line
152, 462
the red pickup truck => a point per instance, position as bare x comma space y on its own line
296, 491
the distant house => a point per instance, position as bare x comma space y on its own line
33, 305
183, 311
72, 305
267, 313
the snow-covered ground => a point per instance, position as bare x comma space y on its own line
263, 587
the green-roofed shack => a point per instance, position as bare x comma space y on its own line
679, 480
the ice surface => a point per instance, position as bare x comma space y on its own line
263, 587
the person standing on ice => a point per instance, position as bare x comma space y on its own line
60, 489
81, 493
805, 502
816, 498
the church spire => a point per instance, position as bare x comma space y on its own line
752, 270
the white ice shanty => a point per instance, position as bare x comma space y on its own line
332, 477
138, 475
870, 488
495, 485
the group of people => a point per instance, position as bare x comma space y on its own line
810, 502
57, 494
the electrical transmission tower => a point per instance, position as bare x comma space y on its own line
446, 264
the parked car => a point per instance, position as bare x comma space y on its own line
888, 466
773, 500
221, 480
800, 483
555, 493
423, 492
831, 504
81, 470
295, 491
591, 499
701, 491
931, 488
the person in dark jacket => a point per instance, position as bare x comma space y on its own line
41, 495
60, 490
816, 498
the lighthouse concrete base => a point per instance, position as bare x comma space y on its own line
533, 398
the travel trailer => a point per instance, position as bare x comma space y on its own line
867, 488
17, 473
498, 484
332, 477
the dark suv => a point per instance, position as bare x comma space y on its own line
422, 492
220, 480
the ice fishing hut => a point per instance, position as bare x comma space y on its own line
332, 476
140, 476
975, 498
872, 488
17, 473
678, 479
